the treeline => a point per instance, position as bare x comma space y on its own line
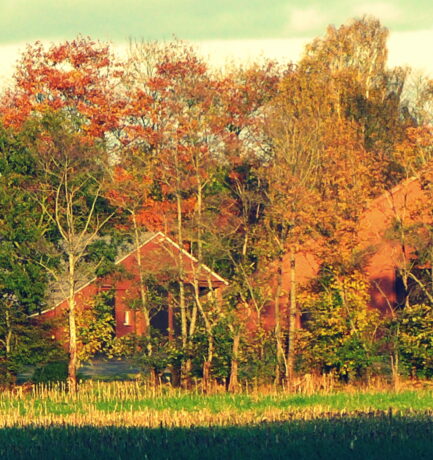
246, 166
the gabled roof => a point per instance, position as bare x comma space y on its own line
148, 238
382, 211
188, 255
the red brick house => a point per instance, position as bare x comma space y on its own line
387, 254
384, 255
161, 257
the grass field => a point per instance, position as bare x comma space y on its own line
332, 438
127, 420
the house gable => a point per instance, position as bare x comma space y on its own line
161, 257
384, 254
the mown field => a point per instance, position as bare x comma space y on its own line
128, 420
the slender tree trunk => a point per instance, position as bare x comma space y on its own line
395, 359
292, 319
186, 364
73, 361
395, 370
8, 338
199, 218
234, 366
193, 320
405, 266
143, 297
154, 380
142, 288
429, 285
431, 272
8, 342
279, 369
170, 319
207, 365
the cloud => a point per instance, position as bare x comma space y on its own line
306, 19
220, 53
408, 49
386, 12
29, 20
405, 48
9, 54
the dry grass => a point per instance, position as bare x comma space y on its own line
137, 404
133, 420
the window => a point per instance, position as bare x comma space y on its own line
127, 321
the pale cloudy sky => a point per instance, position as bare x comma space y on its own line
234, 29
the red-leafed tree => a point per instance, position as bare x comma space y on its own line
234, 204
318, 180
78, 78
64, 98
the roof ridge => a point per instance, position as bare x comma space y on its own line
387, 193
121, 259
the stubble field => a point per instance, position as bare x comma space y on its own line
130, 420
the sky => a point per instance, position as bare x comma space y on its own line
221, 29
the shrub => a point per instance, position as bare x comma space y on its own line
339, 329
56, 371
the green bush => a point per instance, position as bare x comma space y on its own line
416, 340
339, 329
51, 372
7, 377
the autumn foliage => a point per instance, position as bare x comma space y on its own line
248, 169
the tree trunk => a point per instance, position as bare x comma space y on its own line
431, 271
279, 368
8, 339
8, 344
292, 319
170, 319
73, 361
199, 218
207, 365
142, 288
395, 370
154, 380
185, 373
186, 364
395, 360
234, 367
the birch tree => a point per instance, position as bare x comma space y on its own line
64, 99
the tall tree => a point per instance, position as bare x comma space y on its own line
69, 192
297, 121
354, 56
22, 280
65, 100
231, 202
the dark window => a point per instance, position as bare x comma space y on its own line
400, 290
160, 321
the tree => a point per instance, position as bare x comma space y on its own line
96, 329
130, 189
339, 330
320, 173
415, 339
228, 200
365, 91
358, 47
22, 280
78, 78
69, 191
64, 99
297, 120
